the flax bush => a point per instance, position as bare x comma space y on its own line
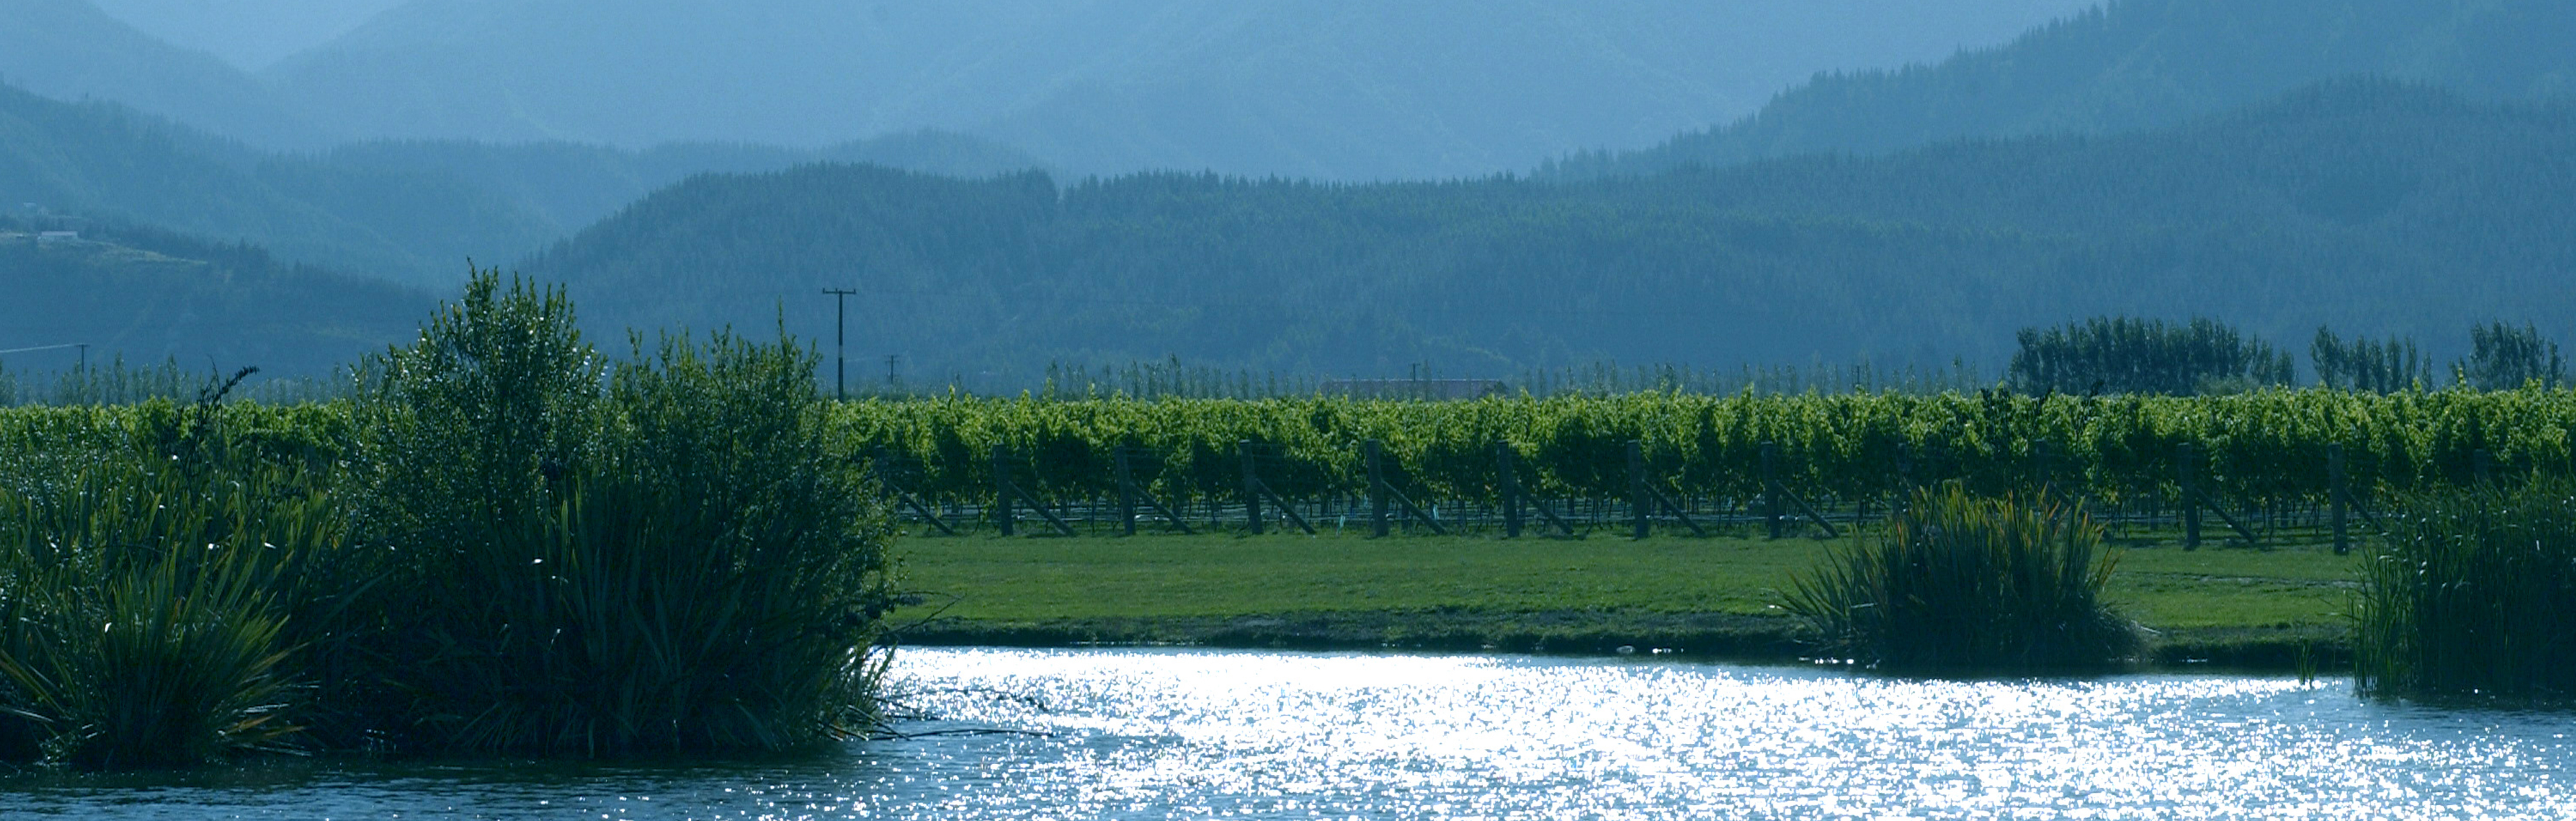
2474, 593
1965, 584
158, 605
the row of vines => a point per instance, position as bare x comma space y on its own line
2260, 447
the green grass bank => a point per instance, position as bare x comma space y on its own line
2221, 606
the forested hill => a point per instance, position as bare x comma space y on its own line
107, 161
410, 212
2368, 205
148, 296
2143, 64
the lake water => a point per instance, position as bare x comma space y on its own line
1152, 734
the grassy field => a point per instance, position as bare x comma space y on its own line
1713, 596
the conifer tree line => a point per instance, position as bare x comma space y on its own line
2112, 355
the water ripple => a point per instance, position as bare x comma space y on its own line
1152, 734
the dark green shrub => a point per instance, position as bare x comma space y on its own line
664, 555
2473, 593
1967, 584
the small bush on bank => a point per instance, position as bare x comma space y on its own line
2474, 593
1971, 585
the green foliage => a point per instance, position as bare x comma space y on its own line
2503, 357
158, 601
663, 556
2125, 355
2364, 365
2261, 447
1968, 584
2474, 594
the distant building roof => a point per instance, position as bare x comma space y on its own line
1425, 389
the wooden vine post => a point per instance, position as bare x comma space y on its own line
2184, 454
1375, 453
1003, 493
1771, 487
2338, 499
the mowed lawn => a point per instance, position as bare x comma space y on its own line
1149, 576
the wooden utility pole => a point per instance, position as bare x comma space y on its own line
841, 346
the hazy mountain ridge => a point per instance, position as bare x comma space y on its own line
2141, 64
69, 49
1342, 89
2372, 206
410, 213
248, 34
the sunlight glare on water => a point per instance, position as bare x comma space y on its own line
1218, 734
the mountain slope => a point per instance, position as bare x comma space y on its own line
148, 296
2367, 205
1343, 89
106, 161
2143, 64
249, 34
411, 213
68, 49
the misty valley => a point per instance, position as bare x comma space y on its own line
1286, 408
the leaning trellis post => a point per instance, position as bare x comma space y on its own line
1382, 492
1254, 490
1515, 499
886, 479
1646, 500
1774, 493
1007, 496
1129, 493
2186, 465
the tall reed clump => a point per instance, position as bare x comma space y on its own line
1966, 584
658, 555
155, 602
2474, 593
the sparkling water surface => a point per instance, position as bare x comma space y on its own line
1152, 734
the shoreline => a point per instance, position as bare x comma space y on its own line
1712, 636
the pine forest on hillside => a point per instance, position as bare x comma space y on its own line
2367, 205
